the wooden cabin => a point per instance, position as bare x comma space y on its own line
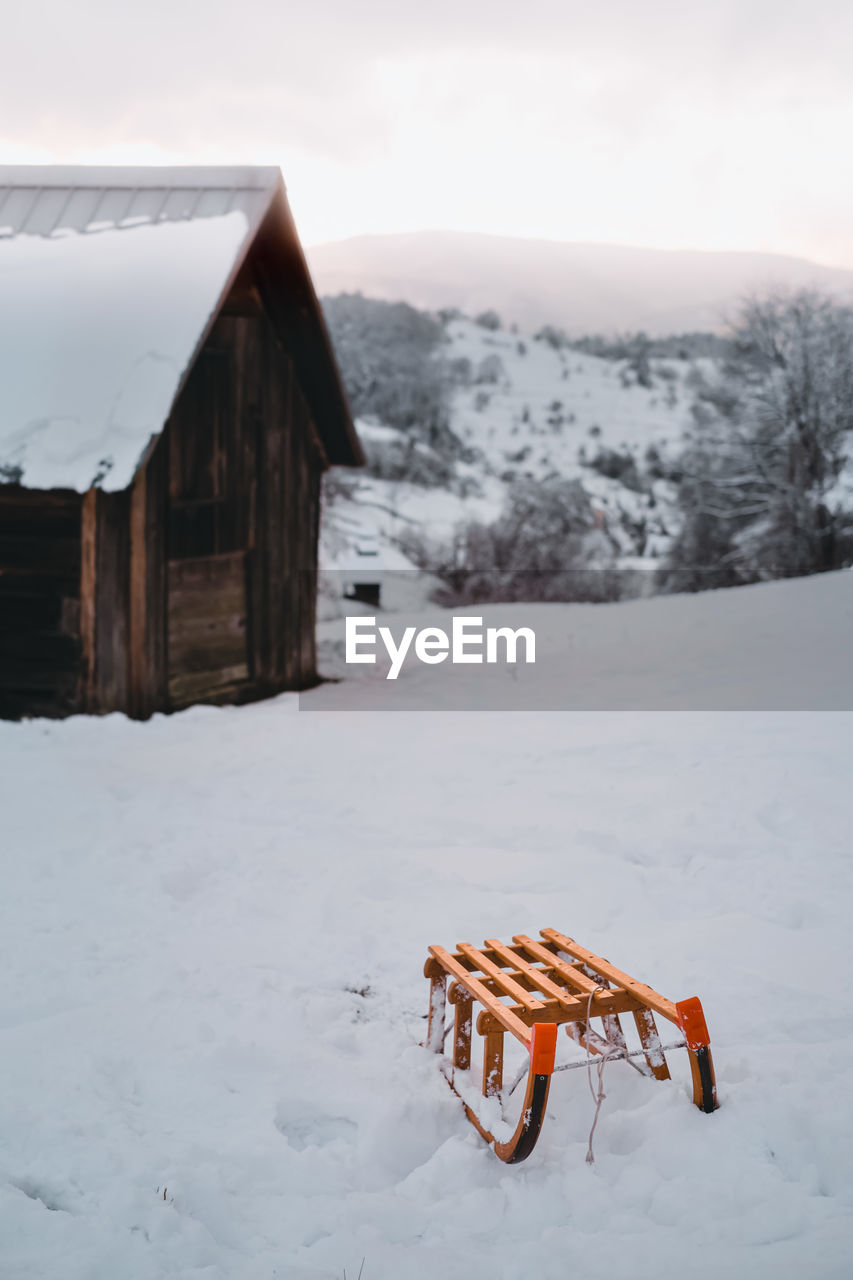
169, 401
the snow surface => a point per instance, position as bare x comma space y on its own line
211, 994
711, 651
96, 331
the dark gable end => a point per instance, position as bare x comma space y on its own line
287, 293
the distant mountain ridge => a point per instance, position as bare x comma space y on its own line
584, 288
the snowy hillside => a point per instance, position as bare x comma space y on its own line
211, 997
528, 407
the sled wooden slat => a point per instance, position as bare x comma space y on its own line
462, 1004
569, 972
500, 976
481, 993
606, 1002
587, 1038
652, 999
547, 991
515, 951
647, 1030
437, 1001
493, 1063
543, 983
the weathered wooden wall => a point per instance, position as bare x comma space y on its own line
243, 513
148, 604
208, 654
104, 601
40, 647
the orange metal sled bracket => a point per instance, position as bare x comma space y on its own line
691, 1019
543, 1048
530, 989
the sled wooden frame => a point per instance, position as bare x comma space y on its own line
532, 987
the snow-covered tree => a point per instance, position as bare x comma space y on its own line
389, 355
764, 491
544, 545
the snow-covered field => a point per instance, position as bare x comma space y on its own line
743, 650
211, 996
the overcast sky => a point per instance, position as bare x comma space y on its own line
720, 124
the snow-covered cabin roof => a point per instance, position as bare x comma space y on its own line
110, 279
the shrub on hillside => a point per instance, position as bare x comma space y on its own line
488, 320
618, 465
544, 546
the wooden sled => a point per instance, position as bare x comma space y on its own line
549, 983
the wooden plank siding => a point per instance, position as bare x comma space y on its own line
40, 664
147, 640
244, 480
104, 600
208, 654
309, 468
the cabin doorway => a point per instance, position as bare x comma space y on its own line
208, 641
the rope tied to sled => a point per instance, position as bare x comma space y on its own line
598, 1095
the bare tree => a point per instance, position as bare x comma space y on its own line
760, 490
544, 545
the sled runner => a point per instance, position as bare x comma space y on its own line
531, 988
